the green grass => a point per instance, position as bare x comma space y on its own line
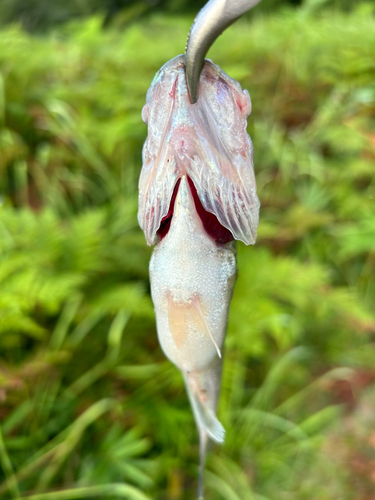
90, 407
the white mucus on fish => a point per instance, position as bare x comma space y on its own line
197, 194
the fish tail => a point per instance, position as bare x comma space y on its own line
203, 391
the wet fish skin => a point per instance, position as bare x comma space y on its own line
192, 279
203, 151
206, 141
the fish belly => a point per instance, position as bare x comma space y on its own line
192, 280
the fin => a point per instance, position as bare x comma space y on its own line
202, 323
178, 317
203, 391
204, 416
208, 420
180, 314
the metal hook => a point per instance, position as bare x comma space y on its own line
211, 21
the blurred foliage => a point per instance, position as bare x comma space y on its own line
90, 408
41, 15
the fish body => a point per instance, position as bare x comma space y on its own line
192, 280
197, 195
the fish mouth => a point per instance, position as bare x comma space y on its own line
206, 141
211, 224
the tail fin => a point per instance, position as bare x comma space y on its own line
205, 418
203, 391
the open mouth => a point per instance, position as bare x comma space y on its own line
212, 226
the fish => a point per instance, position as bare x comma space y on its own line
197, 196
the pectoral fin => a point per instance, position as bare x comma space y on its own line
202, 323
181, 315
178, 319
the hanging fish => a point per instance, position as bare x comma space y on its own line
197, 194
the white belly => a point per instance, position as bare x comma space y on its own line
192, 281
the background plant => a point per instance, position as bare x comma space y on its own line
90, 407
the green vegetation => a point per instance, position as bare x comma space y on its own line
90, 408
41, 15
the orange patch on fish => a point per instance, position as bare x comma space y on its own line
182, 315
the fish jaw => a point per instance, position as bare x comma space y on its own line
192, 279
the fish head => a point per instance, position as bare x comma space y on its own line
206, 141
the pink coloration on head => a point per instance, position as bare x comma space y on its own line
206, 141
